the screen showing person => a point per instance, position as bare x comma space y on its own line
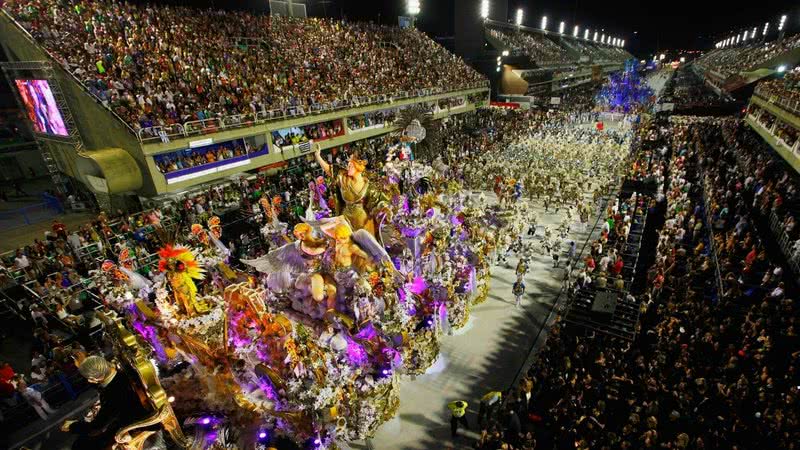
41, 108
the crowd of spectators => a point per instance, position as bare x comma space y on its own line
533, 45
785, 90
50, 281
688, 92
546, 51
156, 64
384, 117
733, 60
709, 368
187, 158
305, 133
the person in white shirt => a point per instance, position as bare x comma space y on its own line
35, 399
21, 261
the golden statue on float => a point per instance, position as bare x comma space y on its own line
355, 199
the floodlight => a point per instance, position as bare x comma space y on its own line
519, 16
603, 39
586, 34
753, 33
575, 31
766, 27
623, 43
783, 21
505, 52
544, 22
485, 9
561, 28
412, 7
595, 36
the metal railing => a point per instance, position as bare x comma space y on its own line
228, 122
712, 243
784, 241
195, 127
790, 105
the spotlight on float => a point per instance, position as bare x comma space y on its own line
485, 9
519, 16
781, 69
544, 22
575, 31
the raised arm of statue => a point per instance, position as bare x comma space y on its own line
322, 163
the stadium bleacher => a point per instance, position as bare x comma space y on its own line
157, 65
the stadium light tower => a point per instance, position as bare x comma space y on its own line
753, 33
561, 27
586, 34
413, 7
782, 23
603, 39
738, 38
575, 31
519, 17
623, 43
544, 22
484, 9
595, 36
766, 28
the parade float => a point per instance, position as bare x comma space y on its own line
309, 340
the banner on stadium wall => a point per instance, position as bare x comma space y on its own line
510, 105
555, 100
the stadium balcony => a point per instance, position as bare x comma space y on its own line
546, 49
774, 113
113, 153
733, 68
540, 64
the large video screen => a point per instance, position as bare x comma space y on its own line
41, 107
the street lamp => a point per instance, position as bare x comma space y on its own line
544, 22
485, 9
519, 16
